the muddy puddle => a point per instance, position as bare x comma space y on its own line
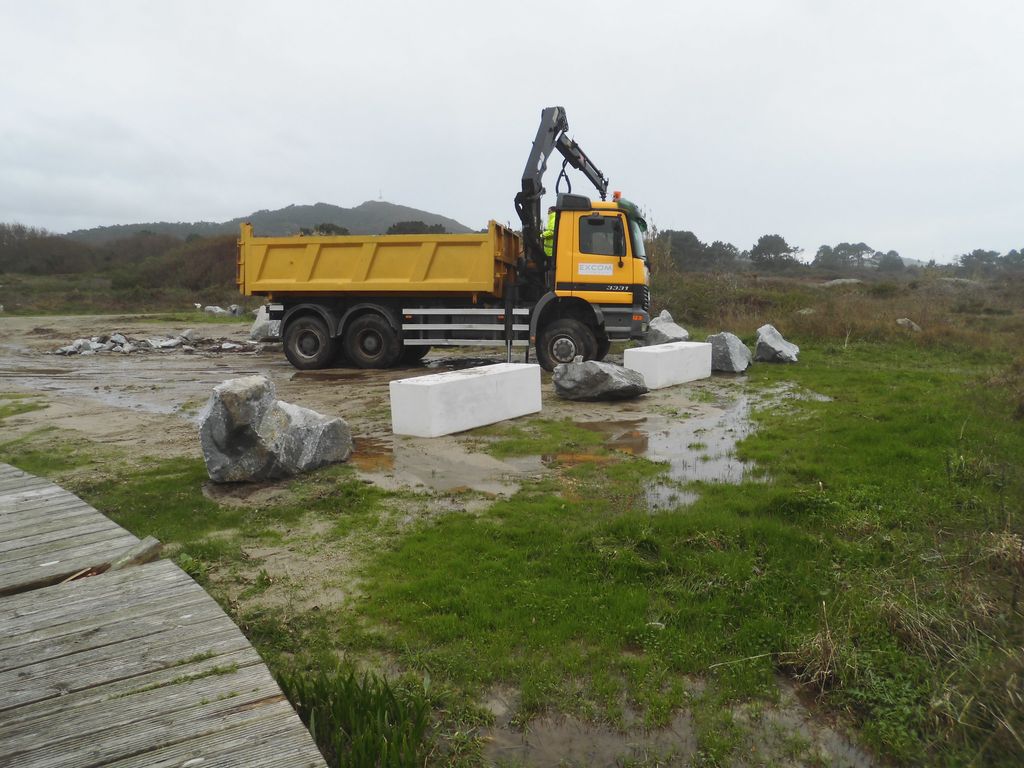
785, 732
697, 446
701, 447
566, 741
440, 464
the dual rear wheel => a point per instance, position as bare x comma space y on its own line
369, 342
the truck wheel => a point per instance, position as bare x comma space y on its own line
370, 342
413, 353
562, 341
603, 345
307, 344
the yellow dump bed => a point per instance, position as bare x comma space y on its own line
381, 264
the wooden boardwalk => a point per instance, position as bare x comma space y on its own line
138, 667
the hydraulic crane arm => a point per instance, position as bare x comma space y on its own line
551, 135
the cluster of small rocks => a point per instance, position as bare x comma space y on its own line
117, 343
593, 380
212, 309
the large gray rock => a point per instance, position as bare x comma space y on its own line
907, 323
728, 353
215, 310
263, 328
247, 434
593, 380
664, 330
772, 348
841, 281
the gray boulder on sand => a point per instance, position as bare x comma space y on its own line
728, 353
593, 380
664, 330
247, 434
263, 328
772, 348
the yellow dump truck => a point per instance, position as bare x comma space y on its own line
377, 301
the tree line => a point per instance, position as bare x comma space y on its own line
33, 250
686, 252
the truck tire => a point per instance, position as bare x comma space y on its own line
371, 342
307, 343
562, 341
413, 353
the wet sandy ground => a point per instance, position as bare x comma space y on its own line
148, 403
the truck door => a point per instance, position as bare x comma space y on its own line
602, 266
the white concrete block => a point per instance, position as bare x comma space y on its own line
443, 403
663, 365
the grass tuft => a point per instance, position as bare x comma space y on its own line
361, 720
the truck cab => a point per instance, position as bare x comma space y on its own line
601, 281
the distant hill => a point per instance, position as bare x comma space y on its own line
370, 218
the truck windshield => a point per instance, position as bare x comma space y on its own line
638, 240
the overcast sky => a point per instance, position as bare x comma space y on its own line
900, 124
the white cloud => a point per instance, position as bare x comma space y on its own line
892, 123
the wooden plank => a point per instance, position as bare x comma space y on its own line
250, 744
9, 484
154, 732
138, 667
58, 677
109, 633
14, 499
258, 744
77, 701
52, 533
24, 490
16, 649
89, 595
228, 690
63, 560
47, 520
58, 497
101, 530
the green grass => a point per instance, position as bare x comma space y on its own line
361, 720
538, 437
41, 453
849, 570
15, 403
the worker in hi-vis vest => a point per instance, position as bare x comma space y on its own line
548, 235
